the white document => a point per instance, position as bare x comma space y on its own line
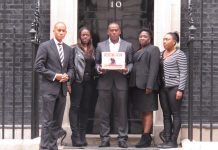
113, 60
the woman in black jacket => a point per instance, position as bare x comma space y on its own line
81, 88
144, 83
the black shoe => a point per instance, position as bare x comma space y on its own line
162, 136
62, 134
76, 142
84, 143
104, 144
83, 139
122, 144
169, 144
145, 141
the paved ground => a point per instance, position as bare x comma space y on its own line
33, 144
107, 148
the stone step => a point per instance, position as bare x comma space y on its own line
33, 144
94, 139
106, 148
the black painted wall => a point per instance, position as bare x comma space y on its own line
205, 63
16, 17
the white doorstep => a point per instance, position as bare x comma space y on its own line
19, 144
197, 145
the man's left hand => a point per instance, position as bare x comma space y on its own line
64, 78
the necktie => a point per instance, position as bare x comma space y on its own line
61, 53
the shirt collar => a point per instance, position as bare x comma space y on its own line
110, 42
56, 42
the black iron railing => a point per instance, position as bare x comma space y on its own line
190, 85
202, 86
18, 82
35, 40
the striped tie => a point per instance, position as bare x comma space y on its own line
61, 53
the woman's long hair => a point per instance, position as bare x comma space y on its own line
90, 47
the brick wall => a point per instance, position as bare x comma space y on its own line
205, 83
16, 56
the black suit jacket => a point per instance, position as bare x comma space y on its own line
145, 68
48, 63
111, 77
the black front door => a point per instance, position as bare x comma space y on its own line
132, 15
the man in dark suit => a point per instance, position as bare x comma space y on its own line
53, 62
112, 87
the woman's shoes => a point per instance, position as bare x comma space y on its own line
162, 136
79, 140
76, 142
83, 139
145, 141
62, 135
169, 144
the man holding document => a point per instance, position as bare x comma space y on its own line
113, 63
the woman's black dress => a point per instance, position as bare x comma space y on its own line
141, 101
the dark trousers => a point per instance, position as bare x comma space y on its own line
52, 113
171, 112
79, 106
115, 100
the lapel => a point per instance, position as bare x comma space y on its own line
65, 55
107, 47
79, 53
55, 50
122, 47
143, 51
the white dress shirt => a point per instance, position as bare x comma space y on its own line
56, 43
114, 47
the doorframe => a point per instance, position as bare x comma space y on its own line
167, 17
167, 11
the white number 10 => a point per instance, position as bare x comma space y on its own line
117, 4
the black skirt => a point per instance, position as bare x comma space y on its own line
144, 102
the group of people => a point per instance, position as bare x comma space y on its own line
147, 73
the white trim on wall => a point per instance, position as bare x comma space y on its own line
66, 11
167, 16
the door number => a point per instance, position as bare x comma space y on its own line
117, 4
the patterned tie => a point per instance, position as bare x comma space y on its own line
61, 53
